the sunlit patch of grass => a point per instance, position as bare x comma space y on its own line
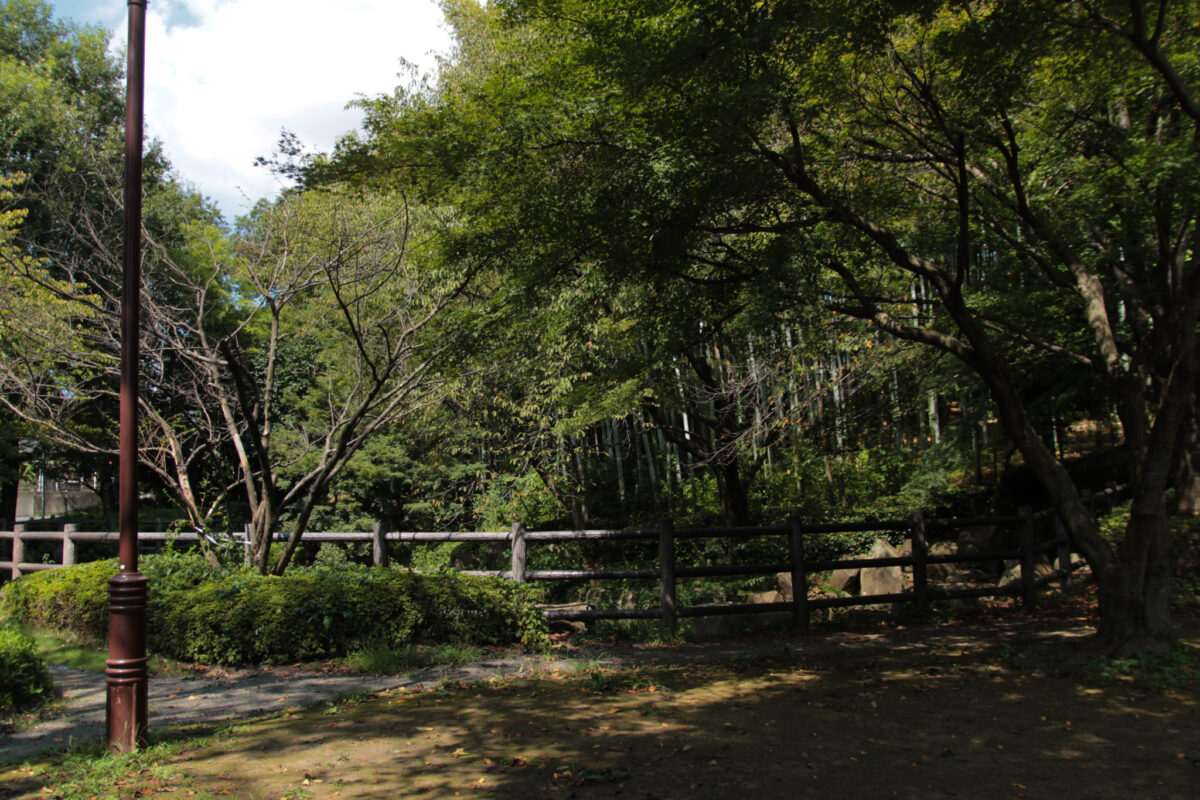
90, 772
67, 652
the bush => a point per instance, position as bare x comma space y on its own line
75, 599
24, 680
200, 614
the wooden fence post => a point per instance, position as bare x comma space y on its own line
379, 552
1064, 552
799, 575
920, 554
68, 553
18, 553
519, 551
1028, 589
666, 572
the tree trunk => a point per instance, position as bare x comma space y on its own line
1135, 598
735, 504
1186, 479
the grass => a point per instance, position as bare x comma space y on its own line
67, 652
1156, 672
381, 660
89, 772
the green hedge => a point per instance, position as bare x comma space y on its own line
198, 613
24, 679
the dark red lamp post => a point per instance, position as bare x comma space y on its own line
126, 672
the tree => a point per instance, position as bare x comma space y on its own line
1031, 167
60, 95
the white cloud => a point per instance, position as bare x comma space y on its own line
223, 77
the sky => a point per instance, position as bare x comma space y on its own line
224, 77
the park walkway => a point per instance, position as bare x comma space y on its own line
217, 695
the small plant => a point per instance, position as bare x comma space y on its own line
1157, 672
579, 774
24, 680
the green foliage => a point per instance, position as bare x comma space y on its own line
24, 680
383, 660
92, 772
1158, 672
198, 613
1185, 545
72, 599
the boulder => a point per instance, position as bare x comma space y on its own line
784, 581
945, 573
1041, 568
983, 539
765, 597
566, 625
881, 580
844, 580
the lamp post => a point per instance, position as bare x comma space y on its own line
126, 665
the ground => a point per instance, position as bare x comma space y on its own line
975, 708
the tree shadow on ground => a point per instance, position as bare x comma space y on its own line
985, 722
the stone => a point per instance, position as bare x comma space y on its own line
784, 581
1041, 568
566, 625
881, 580
765, 597
982, 539
945, 573
844, 580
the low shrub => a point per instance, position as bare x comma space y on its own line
24, 680
75, 599
198, 613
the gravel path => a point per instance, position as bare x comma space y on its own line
225, 696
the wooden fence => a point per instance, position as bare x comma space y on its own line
1038, 534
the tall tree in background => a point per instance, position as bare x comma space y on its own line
60, 94
1030, 167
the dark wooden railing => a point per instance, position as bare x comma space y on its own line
1038, 533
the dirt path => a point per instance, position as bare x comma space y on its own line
970, 710
223, 695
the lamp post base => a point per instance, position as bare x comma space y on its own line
126, 666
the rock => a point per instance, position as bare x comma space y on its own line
983, 539
881, 580
784, 581
844, 580
1041, 568
765, 597
945, 573
566, 625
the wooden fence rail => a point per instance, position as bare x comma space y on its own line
1052, 541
